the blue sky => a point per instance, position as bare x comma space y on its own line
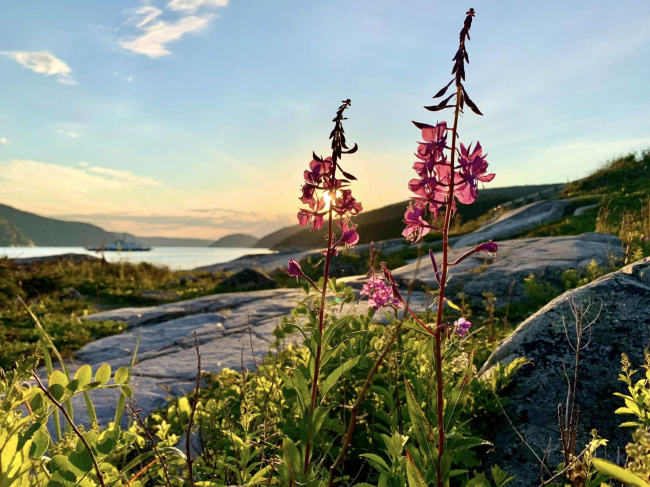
196, 117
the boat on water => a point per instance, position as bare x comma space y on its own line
120, 245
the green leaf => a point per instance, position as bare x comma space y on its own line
126, 391
618, 473
121, 376
413, 474
58, 377
84, 375
478, 481
292, 458
334, 377
36, 402
423, 430
103, 374
57, 391
40, 442
81, 460
376, 461
320, 413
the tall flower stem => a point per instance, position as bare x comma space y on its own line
441, 298
321, 320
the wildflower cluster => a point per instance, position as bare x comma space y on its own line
324, 193
432, 187
379, 293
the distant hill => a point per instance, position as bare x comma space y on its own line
385, 223
10, 236
271, 240
54, 233
240, 240
23, 229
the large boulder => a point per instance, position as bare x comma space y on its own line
623, 326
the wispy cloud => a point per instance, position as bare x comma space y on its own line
38, 185
154, 33
72, 135
43, 63
126, 177
191, 6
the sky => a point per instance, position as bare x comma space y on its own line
196, 118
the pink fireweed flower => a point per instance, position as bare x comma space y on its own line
379, 294
315, 215
416, 226
347, 204
489, 247
462, 326
350, 235
294, 269
473, 168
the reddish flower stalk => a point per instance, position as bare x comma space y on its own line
334, 201
439, 184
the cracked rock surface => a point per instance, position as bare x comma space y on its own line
233, 329
623, 326
504, 274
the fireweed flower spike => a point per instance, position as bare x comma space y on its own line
447, 174
328, 199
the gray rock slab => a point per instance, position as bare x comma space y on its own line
504, 273
622, 327
582, 209
516, 221
234, 330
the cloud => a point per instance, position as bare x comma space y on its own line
72, 135
154, 32
152, 42
141, 16
191, 6
3, 141
124, 176
43, 63
39, 186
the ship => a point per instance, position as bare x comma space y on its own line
120, 245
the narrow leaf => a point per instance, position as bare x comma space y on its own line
334, 377
470, 103
441, 105
413, 474
618, 473
443, 90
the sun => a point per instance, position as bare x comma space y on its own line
327, 198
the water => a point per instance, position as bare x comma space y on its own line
176, 258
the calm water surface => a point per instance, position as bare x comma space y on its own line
176, 258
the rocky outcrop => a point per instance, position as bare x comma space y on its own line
623, 326
504, 274
515, 221
234, 331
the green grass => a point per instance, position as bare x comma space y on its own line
46, 288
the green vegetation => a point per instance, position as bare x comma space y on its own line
621, 192
251, 423
60, 294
